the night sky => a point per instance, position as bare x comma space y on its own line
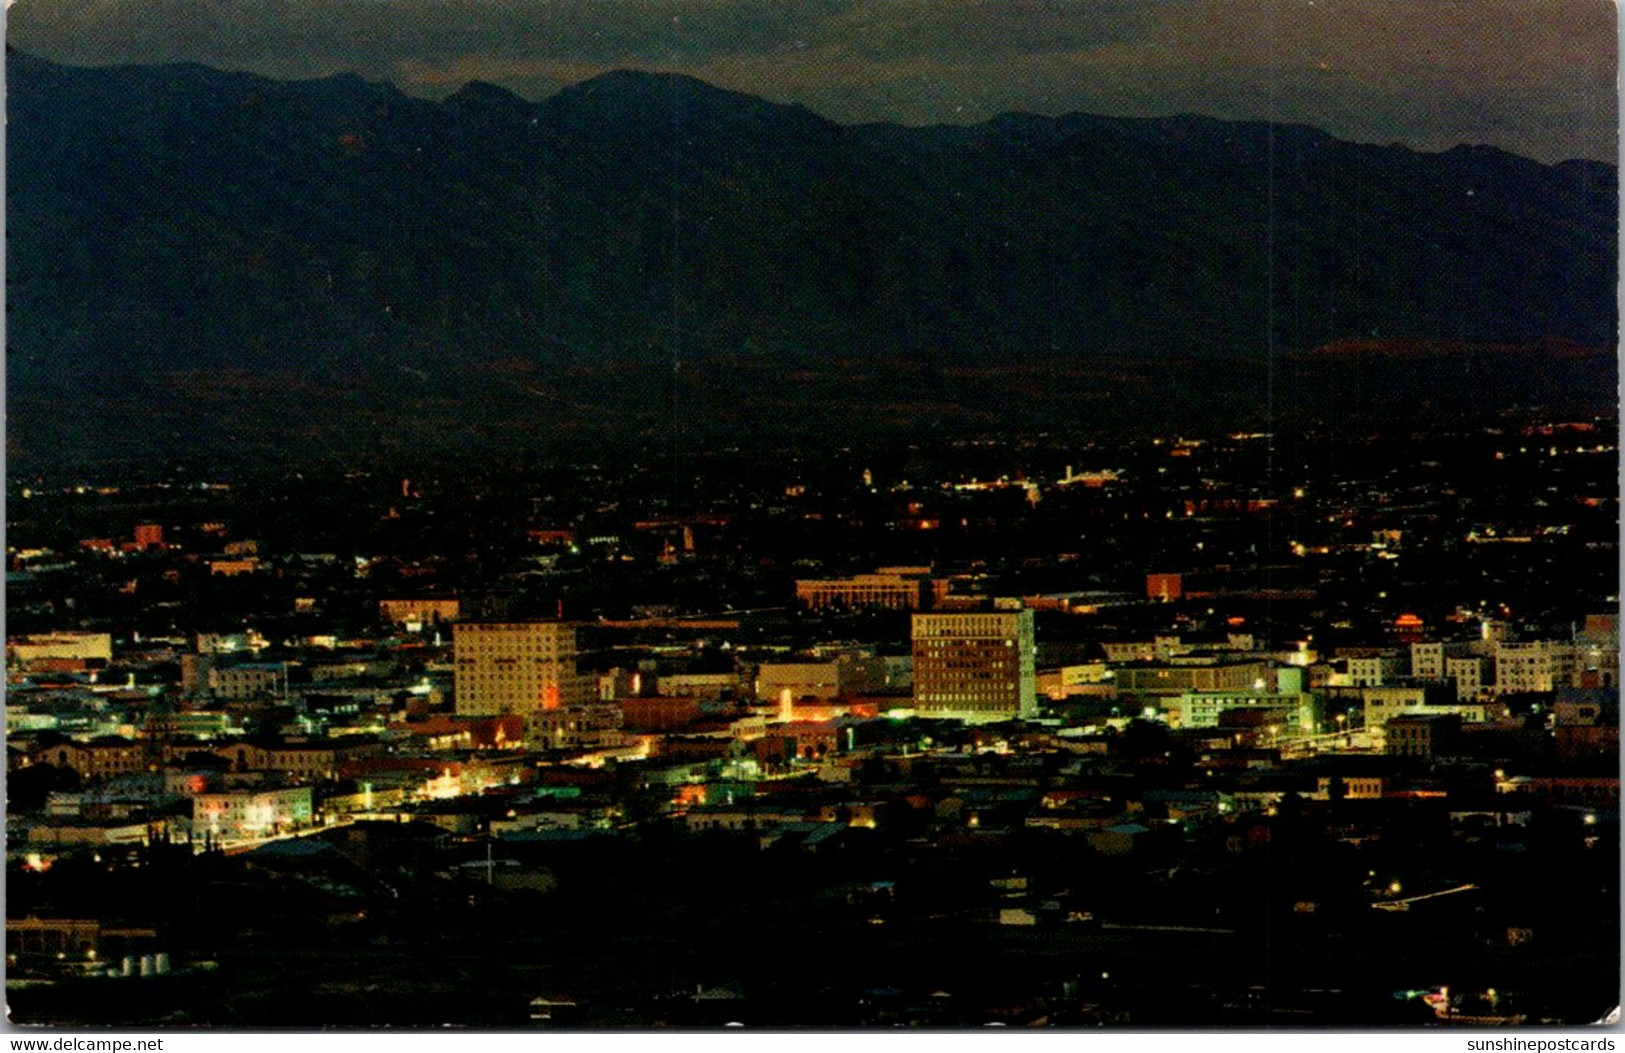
1533, 76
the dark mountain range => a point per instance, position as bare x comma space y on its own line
209, 254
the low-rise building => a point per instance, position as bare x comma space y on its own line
1375, 670
418, 611
304, 760
232, 567
1202, 709
894, 588
249, 680
1088, 678
1473, 675
848, 674
1176, 678
1421, 735
99, 758
575, 727
1533, 666
1585, 722
696, 685
242, 815
24, 651
1380, 705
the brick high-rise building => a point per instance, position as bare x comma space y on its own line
517, 667
1164, 587
976, 666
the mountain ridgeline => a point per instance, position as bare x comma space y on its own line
654, 249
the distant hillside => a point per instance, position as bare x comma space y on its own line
1422, 348
638, 247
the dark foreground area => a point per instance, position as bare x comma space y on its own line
666, 931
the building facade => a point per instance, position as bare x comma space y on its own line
240, 815
251, 680
1419, 735
1168, 679
516, 667
897, 588
64, 645
975, 666
1202, 709
1533, 666
1473, 676
419, 611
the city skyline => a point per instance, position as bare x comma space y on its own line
644, 547
1221, 731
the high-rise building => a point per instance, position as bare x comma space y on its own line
975, 666
516, 667
1164, 587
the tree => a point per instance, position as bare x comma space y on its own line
29, 788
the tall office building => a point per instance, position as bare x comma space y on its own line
975, 667
516, 667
